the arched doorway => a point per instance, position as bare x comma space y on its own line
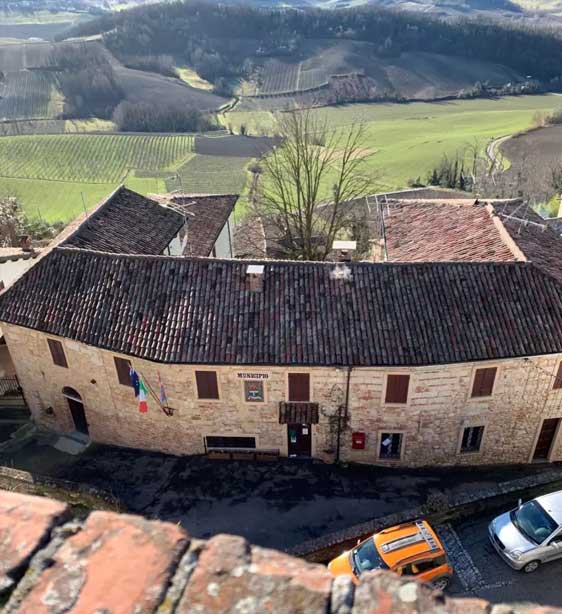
76, 406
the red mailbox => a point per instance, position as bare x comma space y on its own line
358, 441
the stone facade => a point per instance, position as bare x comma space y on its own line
432, 421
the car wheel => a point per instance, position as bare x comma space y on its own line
531, 566
441, 584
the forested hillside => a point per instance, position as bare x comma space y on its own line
224, 41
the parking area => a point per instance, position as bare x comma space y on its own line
278, 504
479, 571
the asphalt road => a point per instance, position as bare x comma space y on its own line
479, 571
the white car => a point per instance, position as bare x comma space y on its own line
530, 534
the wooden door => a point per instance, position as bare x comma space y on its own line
546, 437
300, 440
78, 415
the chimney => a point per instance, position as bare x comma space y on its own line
344, 250
254, 277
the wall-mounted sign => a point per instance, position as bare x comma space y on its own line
254, 391
253, 375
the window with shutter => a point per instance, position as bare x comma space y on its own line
558, 379
207, 384
483, 384
231, 442
123, 367
397, 388
299, 387
57, 353
472, 439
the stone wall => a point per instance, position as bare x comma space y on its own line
51, 563
439, 406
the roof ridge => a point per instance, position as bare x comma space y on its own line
505, 235
266, 261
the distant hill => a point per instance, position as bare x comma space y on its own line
364, 53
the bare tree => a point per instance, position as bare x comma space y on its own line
307, 181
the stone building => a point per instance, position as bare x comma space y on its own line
404, 364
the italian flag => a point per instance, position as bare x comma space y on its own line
143, 407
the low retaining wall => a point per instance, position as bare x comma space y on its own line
438, 507
63, 490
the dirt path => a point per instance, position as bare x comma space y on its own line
496, 162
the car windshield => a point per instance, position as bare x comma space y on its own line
532, 520
366, 557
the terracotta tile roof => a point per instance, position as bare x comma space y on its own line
127, 223
206, 217
540, 243
202, 311
457, 231
420, 232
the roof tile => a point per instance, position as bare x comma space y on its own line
201, 311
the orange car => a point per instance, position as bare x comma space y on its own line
411, 549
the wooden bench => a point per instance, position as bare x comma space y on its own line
242, 454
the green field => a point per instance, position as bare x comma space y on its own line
55, 176
210, 175
408, 140
51, 174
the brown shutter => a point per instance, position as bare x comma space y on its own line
484, 382
397, 388
57, 353
299, 387
207, 385
558, 381
123, 366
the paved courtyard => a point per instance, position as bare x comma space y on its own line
277, 504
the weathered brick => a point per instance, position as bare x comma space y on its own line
385, 593
25, 524
117, 563
231, 578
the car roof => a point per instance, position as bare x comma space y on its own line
552, 503
406, 542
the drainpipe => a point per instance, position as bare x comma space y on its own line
346, 410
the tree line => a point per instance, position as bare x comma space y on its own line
224, 40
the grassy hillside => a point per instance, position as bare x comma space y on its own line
56, 176
410, 139
409, 75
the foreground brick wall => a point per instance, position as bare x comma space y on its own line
439, 405
51, 563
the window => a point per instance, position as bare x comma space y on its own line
397, 388
299, 387
207, 384
231, 442
472, 439
483, 384
254, 391
123, 368
557, 539
558, 379
57, 352
427, 565
391, 446
409, 570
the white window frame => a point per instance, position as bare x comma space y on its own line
392, 431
